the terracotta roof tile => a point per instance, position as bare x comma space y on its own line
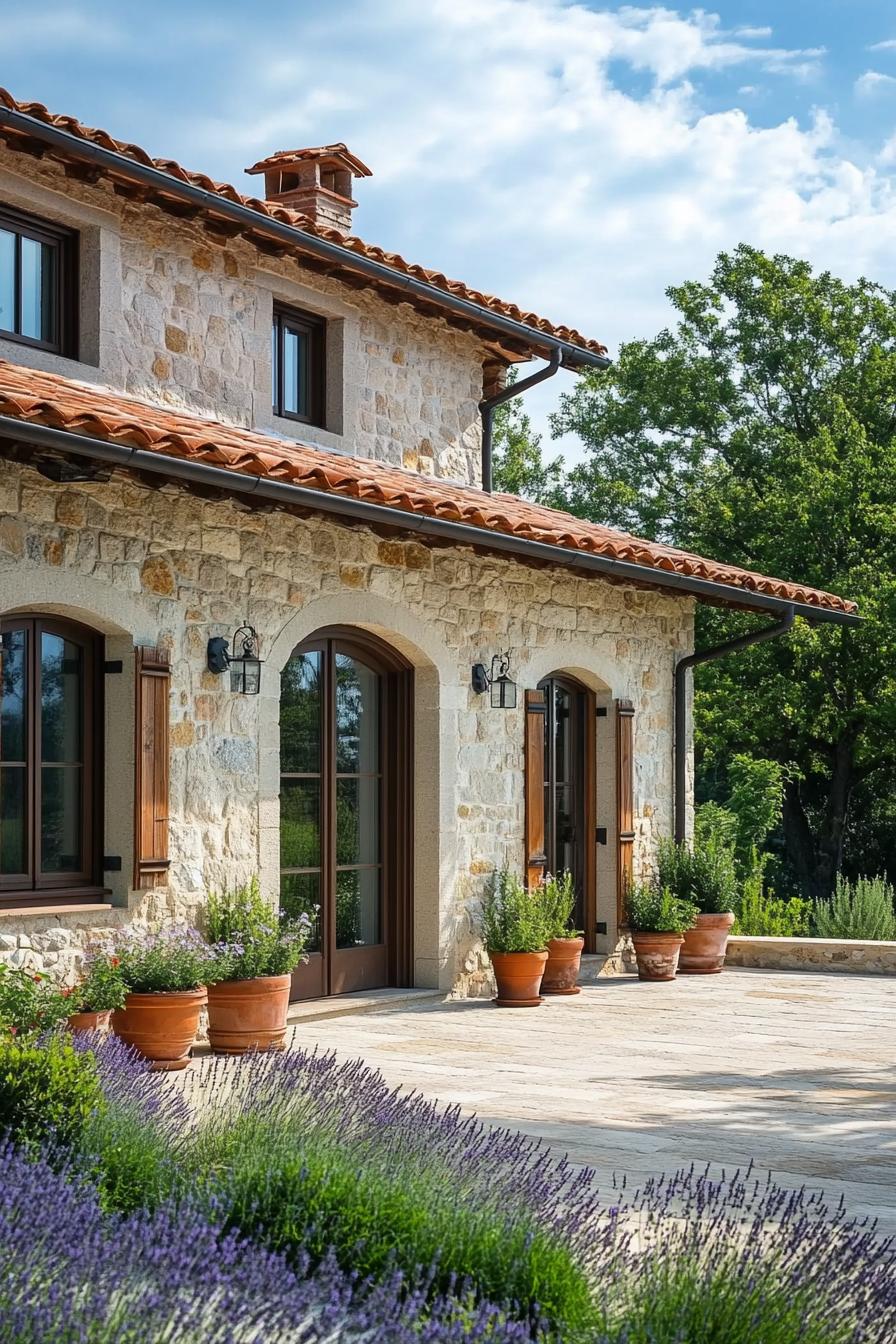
47, 399
299, 221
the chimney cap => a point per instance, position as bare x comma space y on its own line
331, 156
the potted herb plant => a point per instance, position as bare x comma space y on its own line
705, 875
256, 952
657, 920
166, 974
100, 991
515, 933
565, 944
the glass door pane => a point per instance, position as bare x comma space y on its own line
357, 801
14, 709
301, 799
61, 754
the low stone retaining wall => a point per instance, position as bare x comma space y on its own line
813, 954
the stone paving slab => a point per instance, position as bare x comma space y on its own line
792, 1071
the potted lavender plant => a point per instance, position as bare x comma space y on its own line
166, 974
256, 952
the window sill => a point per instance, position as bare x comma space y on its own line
41, 911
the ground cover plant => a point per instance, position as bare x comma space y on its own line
864, 909
411, 1221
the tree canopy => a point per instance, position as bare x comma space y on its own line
760, 430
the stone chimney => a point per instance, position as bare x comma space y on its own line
317, 182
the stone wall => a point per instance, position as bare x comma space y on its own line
813, 954
169, 314
160, 566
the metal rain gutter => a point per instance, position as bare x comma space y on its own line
573, 356
487, 410
682, 667
442, 530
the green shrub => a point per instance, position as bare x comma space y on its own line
558, 896
703, 874
513, 919
48, 1090
861, 910
653, 909
30, 1002
763, 915
249, 938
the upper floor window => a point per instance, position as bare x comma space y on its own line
298, 366
50, 756
38, 282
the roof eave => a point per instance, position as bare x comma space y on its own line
539, 342
289, 495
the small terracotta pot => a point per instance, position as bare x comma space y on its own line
657, 954
562, 970
98, 1021
704, 947
161, 1027
248, 1014
519, 978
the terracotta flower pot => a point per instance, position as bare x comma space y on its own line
98, 1021
519, 978
248, 1014
657, 954
562, 970
161, 1027
704, 947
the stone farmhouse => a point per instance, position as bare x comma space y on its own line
261, 610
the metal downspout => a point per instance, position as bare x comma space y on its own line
487, 410
682, 667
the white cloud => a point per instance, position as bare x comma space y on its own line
873, 82
888, 45
558, 155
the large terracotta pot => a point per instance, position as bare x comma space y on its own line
657, 954
248, 1014
562, 970
98, 1021
519, 978
161, 1027
704, 947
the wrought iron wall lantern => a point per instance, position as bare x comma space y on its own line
497, 681
243, 664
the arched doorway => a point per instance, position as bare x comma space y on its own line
345, 809
569, 791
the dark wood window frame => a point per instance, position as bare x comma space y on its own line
35, 888
393, 958
314, 331
64, 243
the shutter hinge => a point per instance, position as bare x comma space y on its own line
601, 711
113, 665
600, 835
112, 863
600, 926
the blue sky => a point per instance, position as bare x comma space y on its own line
576, 158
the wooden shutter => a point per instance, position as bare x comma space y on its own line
151, 788
535, 857
625, 803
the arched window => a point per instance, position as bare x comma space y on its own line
51, 730
345, 810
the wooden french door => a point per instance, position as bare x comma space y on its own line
345, 814
569, 792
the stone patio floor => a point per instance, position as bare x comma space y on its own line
792, 1071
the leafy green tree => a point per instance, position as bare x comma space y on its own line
760, 430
